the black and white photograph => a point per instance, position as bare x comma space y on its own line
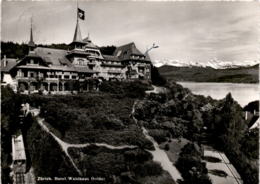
130, 92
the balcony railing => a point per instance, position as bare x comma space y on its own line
114, 71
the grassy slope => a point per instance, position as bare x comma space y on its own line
100, 117
96, 117
198, 74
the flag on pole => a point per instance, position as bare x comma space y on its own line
81, 14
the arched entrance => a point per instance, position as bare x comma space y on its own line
66, 86
53, 87
61, 87
33, 86
23, 86
44, 86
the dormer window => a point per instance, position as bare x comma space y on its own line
80, 62
118, 53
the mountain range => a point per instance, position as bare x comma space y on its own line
213, 63
211, 72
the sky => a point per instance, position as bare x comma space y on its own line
185, 31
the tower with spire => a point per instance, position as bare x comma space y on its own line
77, 42
77, 35
31, 43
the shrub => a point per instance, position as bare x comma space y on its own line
190, 165
159, 135
137, 155
134, 89
149, 168
156, 77
166, 147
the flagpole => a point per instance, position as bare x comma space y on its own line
77, 12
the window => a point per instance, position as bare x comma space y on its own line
141, 70
118, 53
80, 62
73, 77
31, 74
66, 76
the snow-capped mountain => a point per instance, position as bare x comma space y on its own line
213, 63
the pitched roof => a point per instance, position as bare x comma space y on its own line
31, 42
80, 52
56, 57
77, 35
89, 43
84, 70
109, 57
86, 39
124, 52
10, 63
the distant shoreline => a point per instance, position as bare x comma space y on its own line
246, 75
178, 82
243, 93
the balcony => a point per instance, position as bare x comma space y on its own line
51, 79
115, 71
142, 65
22, 78
92, 63
112, 65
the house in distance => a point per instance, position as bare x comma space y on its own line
81, 68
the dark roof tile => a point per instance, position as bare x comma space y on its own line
124, 52
84, 70
10, 63
55, 57
110, 57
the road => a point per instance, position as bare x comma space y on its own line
224, 165
159, 155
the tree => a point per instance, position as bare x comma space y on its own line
229, 124
156, 77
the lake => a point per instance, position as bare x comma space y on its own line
242, 93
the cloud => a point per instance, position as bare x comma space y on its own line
184, 30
